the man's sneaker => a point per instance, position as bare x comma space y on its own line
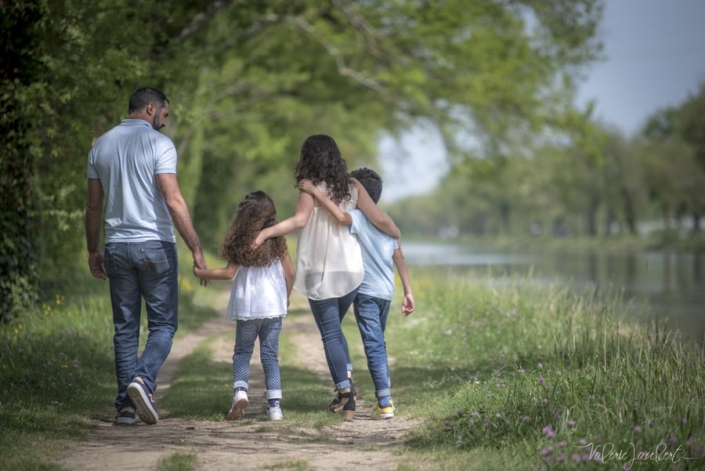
382, 413
142, 399
240, 403
125, 416
274, 412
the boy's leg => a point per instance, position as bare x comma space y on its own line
369, 313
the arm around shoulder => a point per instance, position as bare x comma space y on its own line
376, 216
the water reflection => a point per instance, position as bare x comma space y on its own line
670, 284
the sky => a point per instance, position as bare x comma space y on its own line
654, 57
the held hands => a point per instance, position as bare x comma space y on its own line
95, 263
199, 264
408, 305
307, 187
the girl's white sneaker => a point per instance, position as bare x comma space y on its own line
240, 403
274, 412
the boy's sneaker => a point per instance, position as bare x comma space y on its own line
125, 416
240, 403
142, 399
274, 412
381, 413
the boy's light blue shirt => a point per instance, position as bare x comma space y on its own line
127, 160
377, 251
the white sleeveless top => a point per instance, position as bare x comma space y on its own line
328, 260
258, 293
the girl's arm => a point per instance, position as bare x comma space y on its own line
340, 216
407, 305
288, 266
304, 206
376, 216
227, 273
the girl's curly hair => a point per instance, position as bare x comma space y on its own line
321, 161
255, 212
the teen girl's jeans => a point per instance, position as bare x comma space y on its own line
329, 314
246, 333
136, 271
371, 316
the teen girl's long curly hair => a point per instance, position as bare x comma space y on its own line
255, 212
320, 161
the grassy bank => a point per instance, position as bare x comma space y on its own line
57, 369
511, 376
505, 374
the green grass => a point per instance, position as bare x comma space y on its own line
513, 376
504, 375
177, 462
57, 369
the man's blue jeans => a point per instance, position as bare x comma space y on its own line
371, 316
329, 314
136, 271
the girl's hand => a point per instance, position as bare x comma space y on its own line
259, 240
307, 187
408, 305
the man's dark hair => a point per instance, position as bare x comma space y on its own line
371, 180
143, 96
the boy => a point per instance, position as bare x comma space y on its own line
371, 305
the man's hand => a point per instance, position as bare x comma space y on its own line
408, 305
199, 261
95, 263
307, 187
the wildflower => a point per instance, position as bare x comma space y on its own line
582, 441
562, 443
471, 422
541, 380
685, 420
651, 423
559, 373
447, 423
526, 418
637, 429
548, 387
571, 422
575, 457
497, 415
547, 429
540, 366
460, 412
476, 414
522, 370
545, 401
486, 422
592, 397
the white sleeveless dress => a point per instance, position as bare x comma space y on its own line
329, 259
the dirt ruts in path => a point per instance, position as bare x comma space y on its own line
370, 444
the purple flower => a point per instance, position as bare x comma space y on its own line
562, 443
559, 373
685, 420
548, 387
540, 366
476, 414
460, 412
526, 418
471, 422
447, 423
637, 429
541, 380
575, 457
571, 422
547, 429
582, 441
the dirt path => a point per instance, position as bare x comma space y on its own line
372, 445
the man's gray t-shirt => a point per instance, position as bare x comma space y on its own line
127, 160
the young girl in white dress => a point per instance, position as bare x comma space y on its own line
258, 300
329, 261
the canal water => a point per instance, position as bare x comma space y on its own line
670, 284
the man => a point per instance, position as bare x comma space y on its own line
133, 168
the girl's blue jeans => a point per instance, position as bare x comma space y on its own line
371, 316
329, 314
246, 332
137, 271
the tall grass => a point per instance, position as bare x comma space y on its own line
545, 378
57, 369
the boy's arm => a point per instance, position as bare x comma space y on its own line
376, 216
226, 273
289, 273
340, 216
407, 305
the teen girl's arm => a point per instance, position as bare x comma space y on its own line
227, 273
288, 267
376, 216
407, 305
304, 206
340, 216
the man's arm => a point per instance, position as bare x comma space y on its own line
376, 216
407, 305
94, 215
340, 216
169, 187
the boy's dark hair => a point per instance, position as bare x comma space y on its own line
143, 96
371, 180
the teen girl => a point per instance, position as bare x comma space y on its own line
258, 299
329, 262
